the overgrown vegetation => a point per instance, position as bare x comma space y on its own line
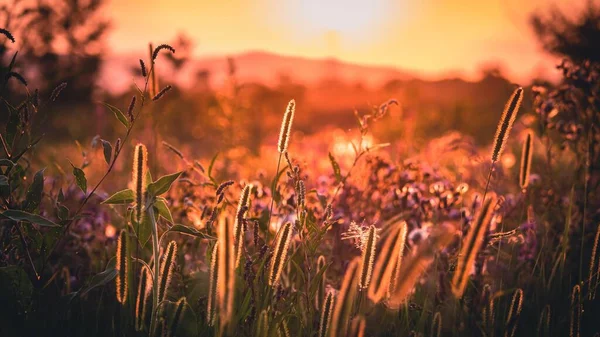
455, 241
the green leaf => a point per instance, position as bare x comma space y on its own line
107, 149
34, 192
336, 168
122, 197
102, 278
163, 209
118, 113
187, 231
17, 215
163, 184
210, 167
143, 231
80, 178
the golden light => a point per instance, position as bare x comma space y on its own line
110, 231
350, 20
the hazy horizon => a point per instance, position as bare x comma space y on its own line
434, 40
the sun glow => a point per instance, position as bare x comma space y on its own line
347, 19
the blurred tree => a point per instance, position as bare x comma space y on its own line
576, 38
58, 41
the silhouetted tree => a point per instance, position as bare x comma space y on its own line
576, 38
57, 41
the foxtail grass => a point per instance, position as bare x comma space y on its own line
471, 246
514, 312
506, 122
368, 256
487, 312
574, 327
413, 268
320, 294
140, 169
388, 261
286, 127
226, 271
280, 254
166, 270
326, 314
282, 145
122, 267
543, 328
344, 301
143, 295
238, 227
177, 317
526, 156
262, 329
211, 310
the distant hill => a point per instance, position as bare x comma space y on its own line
257, 66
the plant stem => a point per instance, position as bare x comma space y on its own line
155, 249
273, 187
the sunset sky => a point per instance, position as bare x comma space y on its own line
435, 37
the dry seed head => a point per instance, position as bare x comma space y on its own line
320, 295
286, 127
283, 330
177, 316
56, 92
388, 261
575, 328
238, 228
368, 256
166, 270
345, 300
301, 194
130, 109
223, 187
226, 270
326, 313
159, 48
161, 93
544, 322
514, 312
122, 267
471, 246
436, 325
262, 330
143, 294
279, 258
358, 326
413, 267
402, 240
211, 310
143, 68
526, 156
140, 170
506, 122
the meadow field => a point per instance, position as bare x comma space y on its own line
150, 193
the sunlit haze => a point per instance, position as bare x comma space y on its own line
435, 38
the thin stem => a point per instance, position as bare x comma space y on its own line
18, 226
155, 249
273, 187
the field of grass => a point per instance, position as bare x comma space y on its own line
373, 231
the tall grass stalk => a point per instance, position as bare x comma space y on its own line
282, 145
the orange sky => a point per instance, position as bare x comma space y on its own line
435, 37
